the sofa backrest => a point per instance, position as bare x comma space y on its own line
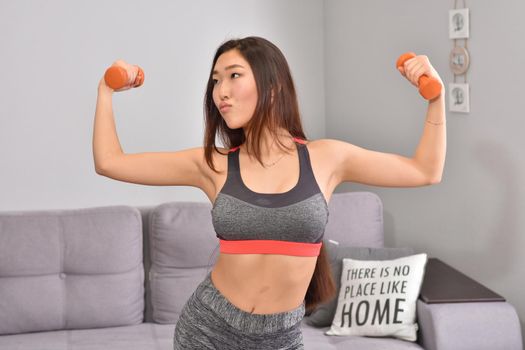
70, 269
181, 245
122, 265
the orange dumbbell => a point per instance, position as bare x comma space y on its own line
117, 77
429, 88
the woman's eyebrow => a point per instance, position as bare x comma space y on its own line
230, 67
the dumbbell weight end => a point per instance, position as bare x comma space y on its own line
116, 77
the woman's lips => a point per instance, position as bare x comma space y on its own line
225, 108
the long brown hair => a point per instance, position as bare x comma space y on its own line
277, 107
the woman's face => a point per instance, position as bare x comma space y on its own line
234, 85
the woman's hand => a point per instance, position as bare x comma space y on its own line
415, 67
103, 87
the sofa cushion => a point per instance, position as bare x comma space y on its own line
323, 314
182, 246
144, 336
152, 336
378, 298
70, 269
315, 339
356, 219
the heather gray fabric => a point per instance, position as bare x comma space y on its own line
303, 221
323, 314
298, 215
70, 269
209, 321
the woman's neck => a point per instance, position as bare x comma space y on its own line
269, 144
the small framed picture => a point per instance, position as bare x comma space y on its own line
459, 60
458, 23
458, 98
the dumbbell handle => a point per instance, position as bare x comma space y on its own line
116, 77
429, 88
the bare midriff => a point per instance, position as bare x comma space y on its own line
263, 283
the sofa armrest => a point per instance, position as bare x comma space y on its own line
466, 326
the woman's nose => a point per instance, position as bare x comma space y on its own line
223, 90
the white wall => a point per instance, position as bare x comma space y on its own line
472, 219
54, 53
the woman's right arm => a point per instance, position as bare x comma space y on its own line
150, 168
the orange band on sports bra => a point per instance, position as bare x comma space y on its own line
269, 247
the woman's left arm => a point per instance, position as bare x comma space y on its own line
356, 164
430, 153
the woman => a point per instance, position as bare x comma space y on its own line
270, 190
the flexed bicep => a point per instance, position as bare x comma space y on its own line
360, 165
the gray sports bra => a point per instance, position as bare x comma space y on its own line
289, 223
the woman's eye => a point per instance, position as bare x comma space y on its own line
214, 81
235, 74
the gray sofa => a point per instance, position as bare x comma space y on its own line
116, 277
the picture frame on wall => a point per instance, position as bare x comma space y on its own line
459, 60
459, 23
458, 97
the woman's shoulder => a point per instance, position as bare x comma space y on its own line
328, 144
320, 144
328, 149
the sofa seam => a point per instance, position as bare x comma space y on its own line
152, 254
61, 270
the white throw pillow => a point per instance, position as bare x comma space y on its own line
378, 298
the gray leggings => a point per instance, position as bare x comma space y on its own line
209, 321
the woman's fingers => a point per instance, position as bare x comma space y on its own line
419, 72
415, 67
415, 73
